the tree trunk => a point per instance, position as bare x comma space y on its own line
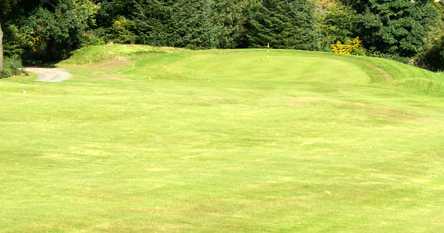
1, 49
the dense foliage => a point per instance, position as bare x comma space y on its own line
433, 58
6, 7
396, 27
48, 30
50, 33
282, 24
211, 24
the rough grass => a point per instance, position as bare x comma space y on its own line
146, 139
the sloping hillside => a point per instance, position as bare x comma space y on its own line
135, 60
144, 139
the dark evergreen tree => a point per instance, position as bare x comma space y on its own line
152, 21
179, 23
398, 27
192, 24
230, 16
282, 24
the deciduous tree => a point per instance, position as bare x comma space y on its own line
6, 7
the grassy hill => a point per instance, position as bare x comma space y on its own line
145, 139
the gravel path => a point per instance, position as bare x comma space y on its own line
51, 75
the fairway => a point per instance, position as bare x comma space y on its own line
163, 140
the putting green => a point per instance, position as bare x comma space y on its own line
144, 139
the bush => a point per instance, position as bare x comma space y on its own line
351, 47
92, 38
433, 58
12, 66
49, 34
337, 24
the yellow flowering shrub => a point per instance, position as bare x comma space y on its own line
348, 48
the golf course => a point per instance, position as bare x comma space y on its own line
145, 139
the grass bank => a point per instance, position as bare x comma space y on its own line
145, 139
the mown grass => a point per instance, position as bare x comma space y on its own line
146, 139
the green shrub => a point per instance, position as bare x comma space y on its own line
49, 34
433, 58
92, 38
12, 66
337, 25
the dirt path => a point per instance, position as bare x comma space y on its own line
51, 75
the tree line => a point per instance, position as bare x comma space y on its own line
48, 30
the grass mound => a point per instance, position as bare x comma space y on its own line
94, 54
414, 78
377, 69
145, 139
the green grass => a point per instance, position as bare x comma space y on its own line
146, 139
